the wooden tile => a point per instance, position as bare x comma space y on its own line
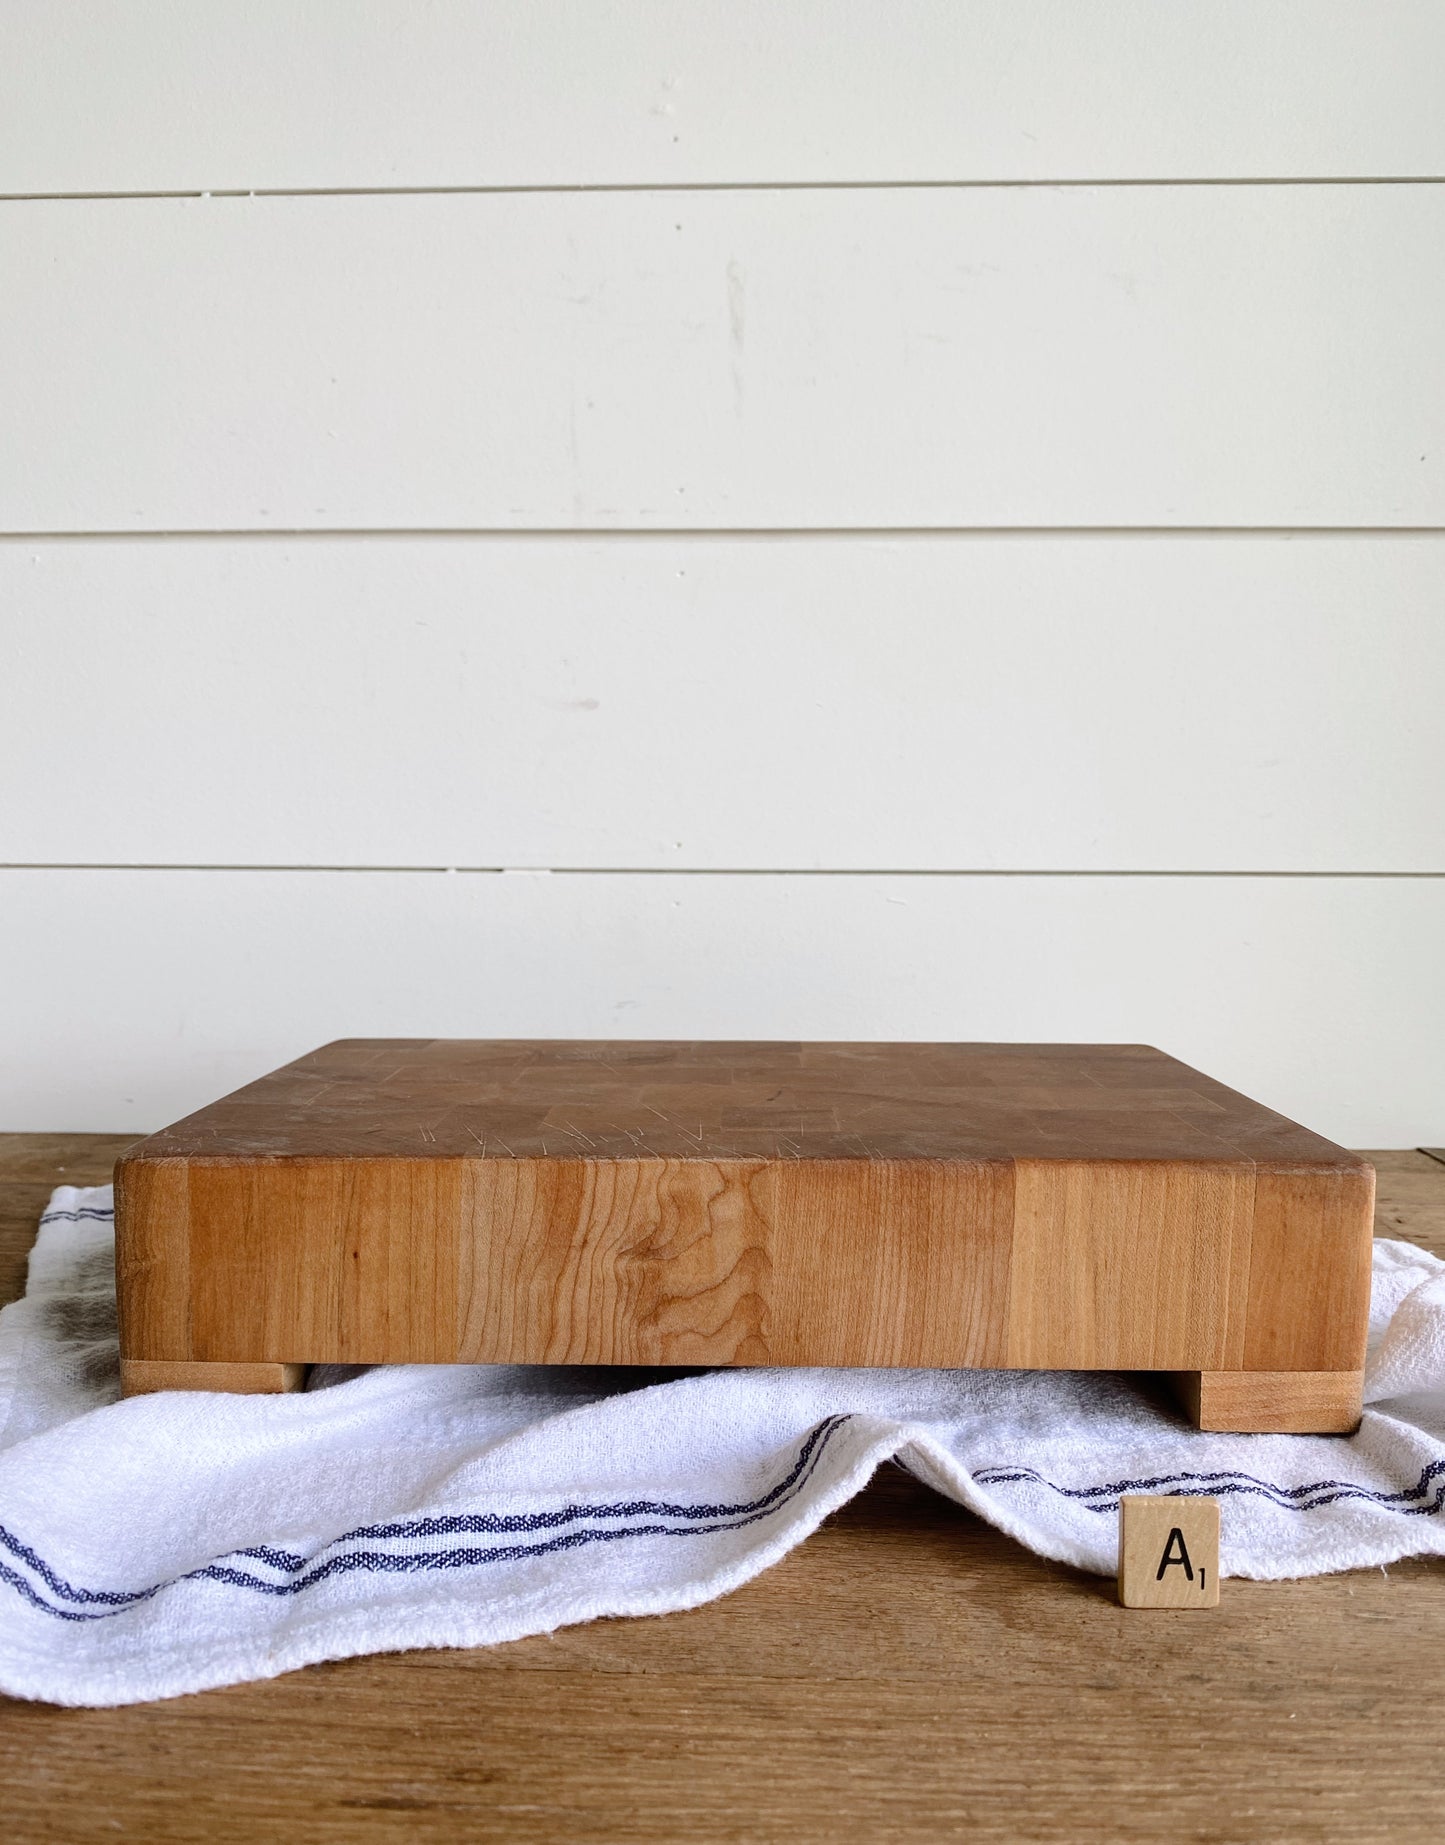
1168, 1552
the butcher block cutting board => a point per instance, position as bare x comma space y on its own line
621, 1203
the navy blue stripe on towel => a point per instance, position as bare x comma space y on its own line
301, 1573
1423, 1499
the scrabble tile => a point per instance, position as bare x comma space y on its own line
1168, 1552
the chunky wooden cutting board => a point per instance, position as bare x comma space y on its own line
1039, 1206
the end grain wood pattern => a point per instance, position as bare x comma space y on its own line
432, 1201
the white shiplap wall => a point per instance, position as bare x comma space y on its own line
834, 520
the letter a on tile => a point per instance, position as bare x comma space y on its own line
1177, 1556
1168, 1552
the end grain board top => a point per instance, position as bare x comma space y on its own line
431, 1201
426, 1099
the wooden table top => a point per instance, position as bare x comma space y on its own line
907, 1674
454, 1098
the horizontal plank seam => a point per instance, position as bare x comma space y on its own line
715, 533
528, 189
706, 871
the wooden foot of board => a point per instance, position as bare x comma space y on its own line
138, 1376
1272, 1402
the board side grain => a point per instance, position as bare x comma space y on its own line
851, 1262
861, 1262
615, 1262
892, 1262
316, 1262
1126, 1264
152, 1257
1309, 1270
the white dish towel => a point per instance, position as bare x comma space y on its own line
172, 1543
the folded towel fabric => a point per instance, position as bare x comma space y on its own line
172, 1543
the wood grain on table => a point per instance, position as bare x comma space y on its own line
907, 1674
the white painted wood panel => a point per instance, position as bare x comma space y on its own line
148, 993
1098, 703
164, 95
1020, 357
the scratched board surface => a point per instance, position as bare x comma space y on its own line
599, 1100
